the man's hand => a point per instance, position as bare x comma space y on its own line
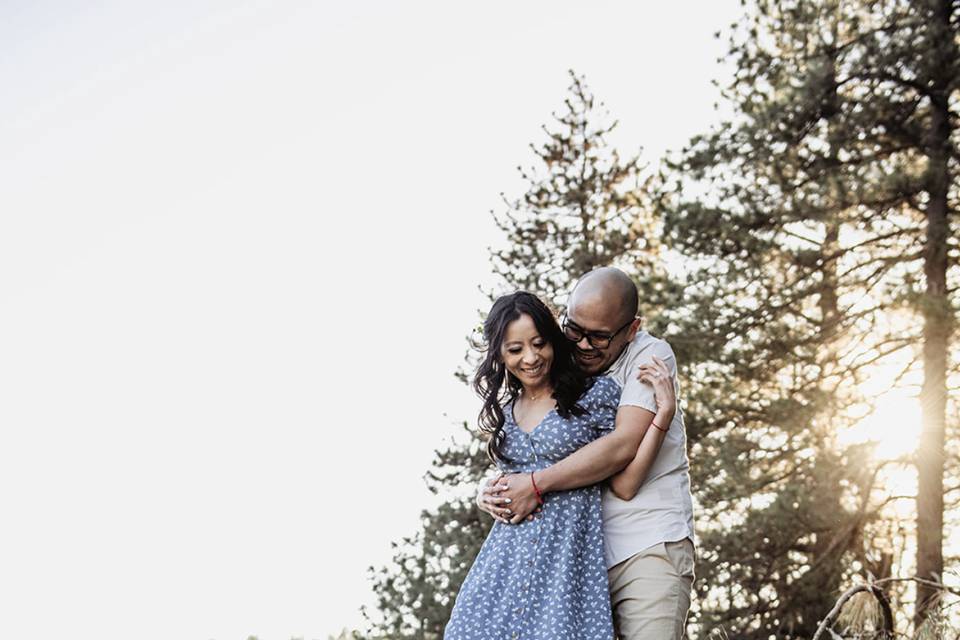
520, 493
490, 500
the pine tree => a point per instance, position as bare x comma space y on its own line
415, 593
583, 208
823, 225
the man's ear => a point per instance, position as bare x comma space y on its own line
634, 328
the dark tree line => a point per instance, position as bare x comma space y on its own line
817, 232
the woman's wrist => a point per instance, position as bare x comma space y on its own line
662, 420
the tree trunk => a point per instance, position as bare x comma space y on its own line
937, 328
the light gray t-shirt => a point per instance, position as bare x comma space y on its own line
662, 510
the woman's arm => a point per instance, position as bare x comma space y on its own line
627, 482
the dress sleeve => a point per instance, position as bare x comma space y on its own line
604, 398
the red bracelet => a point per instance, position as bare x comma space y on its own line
658, 427
536, 489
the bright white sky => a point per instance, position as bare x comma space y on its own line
240, 244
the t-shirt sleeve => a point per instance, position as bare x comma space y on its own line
640, 394
604, 396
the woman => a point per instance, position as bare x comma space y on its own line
544, 578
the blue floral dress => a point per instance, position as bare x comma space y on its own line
544, 579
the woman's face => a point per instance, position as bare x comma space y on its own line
526, 354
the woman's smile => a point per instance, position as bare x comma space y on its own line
526, 354
534, 370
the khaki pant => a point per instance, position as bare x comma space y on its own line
650, 592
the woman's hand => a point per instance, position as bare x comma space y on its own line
522, 496
490, 501
658, 375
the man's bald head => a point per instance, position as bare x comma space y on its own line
603, 304
607, 287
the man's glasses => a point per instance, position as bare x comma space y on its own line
597, 339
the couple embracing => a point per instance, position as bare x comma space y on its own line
593, 536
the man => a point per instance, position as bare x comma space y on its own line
648, 529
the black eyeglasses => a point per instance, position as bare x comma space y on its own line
597, 340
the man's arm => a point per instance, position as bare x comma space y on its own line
619, 452
588, 465
600, 459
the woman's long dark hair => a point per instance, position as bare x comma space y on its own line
497, 387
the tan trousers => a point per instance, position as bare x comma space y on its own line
650, 592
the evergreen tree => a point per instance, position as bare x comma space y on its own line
823, 225
583, 208
415, 593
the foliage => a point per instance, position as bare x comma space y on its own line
818, 232
415, 593
584, 207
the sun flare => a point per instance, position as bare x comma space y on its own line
894, 425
